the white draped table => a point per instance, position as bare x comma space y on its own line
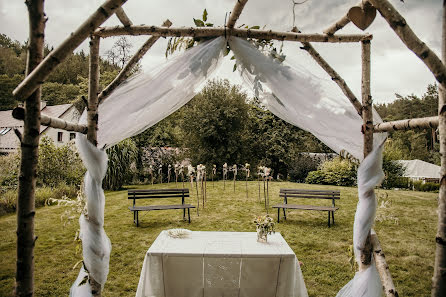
217, 264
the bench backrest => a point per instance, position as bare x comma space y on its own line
317, 194
160, 193
311, 194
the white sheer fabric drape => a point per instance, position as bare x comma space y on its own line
145, 99
296, 96
291, 93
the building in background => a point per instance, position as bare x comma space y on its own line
9, 141
421, 170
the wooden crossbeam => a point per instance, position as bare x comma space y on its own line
333, 74
126, 70
18, 113
417, 123
238, 32
58, 55
123, 18
235, 14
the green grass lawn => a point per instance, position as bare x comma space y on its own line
408, 240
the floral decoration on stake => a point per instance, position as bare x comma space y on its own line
247, 171
234, 170
214, 172
191, 173
151, 172
264, 225
225, 173
169, 169
160, 173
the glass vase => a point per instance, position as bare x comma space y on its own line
262, 235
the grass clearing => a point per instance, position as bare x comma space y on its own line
409, 243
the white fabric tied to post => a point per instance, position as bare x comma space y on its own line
370, 174
96, 246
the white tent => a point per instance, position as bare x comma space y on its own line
417, 169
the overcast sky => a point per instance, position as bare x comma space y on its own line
394, 68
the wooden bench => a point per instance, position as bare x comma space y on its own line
162, 193
308, 194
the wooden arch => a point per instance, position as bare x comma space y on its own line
38, 69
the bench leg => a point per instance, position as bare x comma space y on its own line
134, 217
137, 218
188, 214
184, 214
332, 217
278, 215
284, 214
329, 219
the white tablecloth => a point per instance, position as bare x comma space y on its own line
216, 264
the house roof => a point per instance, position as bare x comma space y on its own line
7, 121
420, 169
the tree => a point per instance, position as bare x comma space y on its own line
213, 124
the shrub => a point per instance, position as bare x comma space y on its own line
120, 159
58, 164
9, 170
8, 198
426, 187
301, 167
339, 172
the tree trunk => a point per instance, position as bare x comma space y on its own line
29, 157
439, 279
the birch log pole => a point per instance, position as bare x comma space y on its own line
24, 285
439, 278
58, 55
127, 69
237, 32
367, 129
405, 33
417, 123
236, 11
18, 113
92, 119
333, 74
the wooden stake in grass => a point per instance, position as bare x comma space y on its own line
182, 173
24, 285
225, 172
175, 169
169, 169
259, 176
191, 172
247, 171
234, 170
214, 172
151, 172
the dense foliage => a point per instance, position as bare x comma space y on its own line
121, 157
338, 171
59, 173
66, 84
414, 144
58, 164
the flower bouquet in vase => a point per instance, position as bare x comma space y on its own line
265, 226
